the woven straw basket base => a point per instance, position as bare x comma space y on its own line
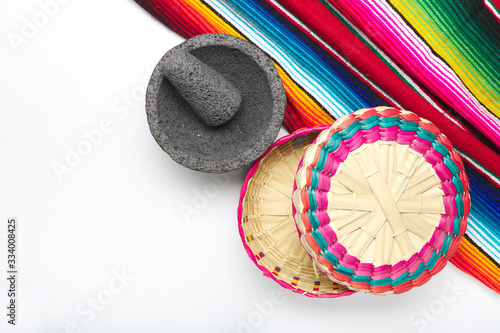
266, 223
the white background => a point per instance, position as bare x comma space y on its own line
118, 210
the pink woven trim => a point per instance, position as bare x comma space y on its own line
251, 255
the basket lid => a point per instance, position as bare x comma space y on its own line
266, 225
381, 200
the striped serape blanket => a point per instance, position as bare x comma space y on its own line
439, 59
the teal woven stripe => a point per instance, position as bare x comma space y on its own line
345, 270
330, 257
457, 183
404, 277
369, 123
320, 239
426, 135
408, 126
361, 278
312, 197
313, 219
460, 204
381, 282
387, 122
446, 244
417, 272
433, 259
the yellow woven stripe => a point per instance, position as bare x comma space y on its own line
302, 101
211, 18
420, 21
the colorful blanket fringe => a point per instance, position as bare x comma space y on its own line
342, 55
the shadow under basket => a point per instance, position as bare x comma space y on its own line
266, 224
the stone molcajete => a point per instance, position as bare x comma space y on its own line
215, 103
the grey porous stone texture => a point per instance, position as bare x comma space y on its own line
243, 137
209, 94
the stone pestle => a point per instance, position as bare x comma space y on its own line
211, 96
210, 80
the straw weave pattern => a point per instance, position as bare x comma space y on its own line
381, 200
266, 225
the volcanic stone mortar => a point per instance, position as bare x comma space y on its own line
193, 137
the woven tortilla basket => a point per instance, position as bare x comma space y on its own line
266, 225
381, 201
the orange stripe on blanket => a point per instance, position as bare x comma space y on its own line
469, 259
211, 21
309, 109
